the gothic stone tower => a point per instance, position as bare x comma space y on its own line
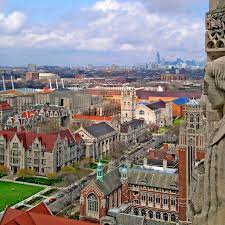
128, 104
191, 150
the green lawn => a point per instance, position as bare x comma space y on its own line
12, 193
178, 122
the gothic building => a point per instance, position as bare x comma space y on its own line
128, 104
137, 195
191, 148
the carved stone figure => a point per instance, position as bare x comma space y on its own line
207, 205
221, 3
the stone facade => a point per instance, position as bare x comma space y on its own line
128, 104
44, 153
159, 113
98, 139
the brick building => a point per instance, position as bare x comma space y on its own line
172, 77
191, 149
144, 193
32, 76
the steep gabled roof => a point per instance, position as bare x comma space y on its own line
36, 216
27, 138
99, 129
111, 181
133, 124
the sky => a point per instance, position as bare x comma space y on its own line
100, 32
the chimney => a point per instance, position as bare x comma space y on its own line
38, 130
164, 164
56, 83
3, 81
152, 154
145, 161
50, 84
12, 83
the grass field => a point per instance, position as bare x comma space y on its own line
12, 193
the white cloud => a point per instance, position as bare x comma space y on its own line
12, 23
124, 26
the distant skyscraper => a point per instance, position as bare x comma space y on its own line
158, 60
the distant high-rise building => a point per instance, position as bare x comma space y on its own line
158, 59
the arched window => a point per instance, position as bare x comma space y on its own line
198, 118
191, 118
141, 112
165, 217
143, 213
173, 218
158, 215
92, 203
150, 214
136, 212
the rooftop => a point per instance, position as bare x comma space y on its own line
100, 129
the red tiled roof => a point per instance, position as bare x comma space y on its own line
66, 134
5, 106
28, 114
41, 209
92, 118
39, 217
77, 138
48, 140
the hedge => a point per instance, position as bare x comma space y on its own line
39, 180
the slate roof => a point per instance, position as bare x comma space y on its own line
127, 219
159, 162
111, 181
152, 178
133, 124
155, 222
100, 129
156, 105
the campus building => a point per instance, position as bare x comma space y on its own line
138, 195
44, 153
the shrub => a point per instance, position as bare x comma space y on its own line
26, 173
52, 176
68, 170
3, 171
93, 165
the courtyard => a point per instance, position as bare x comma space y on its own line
13, 193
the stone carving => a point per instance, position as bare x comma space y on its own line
215, 26
221, 3
207, 205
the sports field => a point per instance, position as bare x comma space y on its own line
12, 193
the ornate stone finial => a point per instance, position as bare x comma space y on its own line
99, 171
221, 3
124, 173
216, 4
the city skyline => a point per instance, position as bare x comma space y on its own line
100, 32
